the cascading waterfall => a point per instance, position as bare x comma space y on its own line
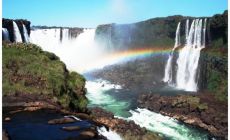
79, 54
188, 59
187, 30
25, 33
17, 34
5, 34
65, 35
168, 69
110, 135
204, 32
48, 39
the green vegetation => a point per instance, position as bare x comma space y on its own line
147, 136
219, 30
192, 102
157, 32
216, 56
218, 80
29, 70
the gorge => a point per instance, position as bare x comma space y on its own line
169, 57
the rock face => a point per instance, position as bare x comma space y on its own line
219, 29
201, 110
138, 72
213, 69
8, 24
74, 32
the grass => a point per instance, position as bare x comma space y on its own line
29, 70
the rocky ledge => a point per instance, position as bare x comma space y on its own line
127, 129
201, 110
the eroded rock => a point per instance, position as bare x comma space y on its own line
61, 121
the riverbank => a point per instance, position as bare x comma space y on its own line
201, 110
35, 81
97, 118
127, 129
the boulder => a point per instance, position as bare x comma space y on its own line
71, 128
88, 134
61, 121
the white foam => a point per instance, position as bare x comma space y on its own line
96, 91
110, 135
164, 125
74, 117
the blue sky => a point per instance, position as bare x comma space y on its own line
90, 13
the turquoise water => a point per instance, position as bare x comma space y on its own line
113, 98
99, 95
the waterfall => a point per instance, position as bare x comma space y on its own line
65, 35
188, 59
204, 32
79, 53
17, 34
5, 34
109, 134
48, 39
25, 33
168, 69
186, 30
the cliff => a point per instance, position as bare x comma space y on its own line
73, 32
8, 24
214, 58
158, 32
32, 77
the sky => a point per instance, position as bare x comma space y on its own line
90, 13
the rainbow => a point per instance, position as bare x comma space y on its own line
124, 56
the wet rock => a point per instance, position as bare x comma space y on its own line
32, 108
7, 119
127, 129
88, 134
99, 112
5, 135
71, 128
61, 121
83, 116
